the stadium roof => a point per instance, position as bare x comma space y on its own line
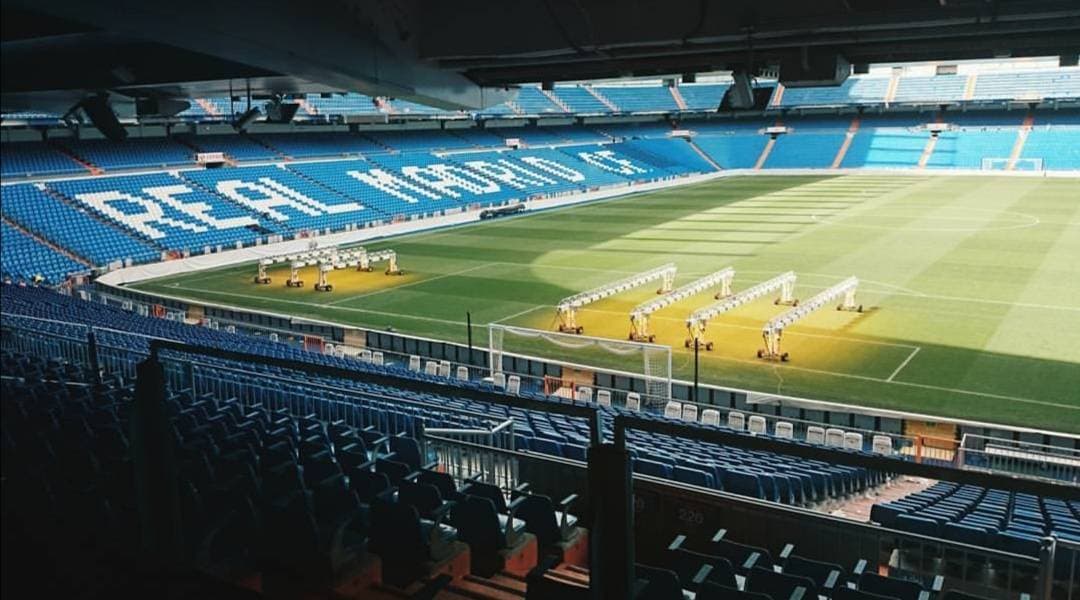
464, 53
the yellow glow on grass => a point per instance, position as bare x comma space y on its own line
346, 282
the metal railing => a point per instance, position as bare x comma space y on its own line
470, 453
1028, 459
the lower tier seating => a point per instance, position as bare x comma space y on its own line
988, 518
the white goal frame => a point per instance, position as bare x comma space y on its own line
656, 372
999, 163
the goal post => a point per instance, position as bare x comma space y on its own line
998, 163
651, 363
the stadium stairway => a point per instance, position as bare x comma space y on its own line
603, 99
852, 130
86, 164
764, 156
704, 155
677, 96
969, 86
1021, 139
47, 243
209, 107
890, 92
928, 151
555, 99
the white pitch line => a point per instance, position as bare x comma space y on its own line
520, 313
410, 284
904, 364
904, 383
319, 305
786, 331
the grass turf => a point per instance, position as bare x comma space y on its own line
970, 285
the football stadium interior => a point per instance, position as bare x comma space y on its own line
543, 299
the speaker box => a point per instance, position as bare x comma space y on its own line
99, 112
740, 96
281, 112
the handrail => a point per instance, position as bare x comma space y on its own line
591, 414
623, 423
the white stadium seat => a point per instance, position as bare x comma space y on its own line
513, 385
736, 420
377, 358
414, 363
756, 424
499, 380
365, 355
633, 401
710, 416
603, 398
815, 435
444, 368
584, 394
834, 437
853, 441
463, 373
431, 368
883, 445
673, 410
784, 429
689, 413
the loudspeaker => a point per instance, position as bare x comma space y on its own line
689, 78
247, 118
281, 112
165, 107
1068, 60
808, 68
861, 68
99, 112
740, 96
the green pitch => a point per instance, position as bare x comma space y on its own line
971, 285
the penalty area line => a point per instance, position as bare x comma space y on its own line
410, 284
904, 364
519, 314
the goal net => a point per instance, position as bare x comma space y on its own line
1020, 164
512, 347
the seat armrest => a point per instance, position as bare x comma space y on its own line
412, 477
924, 595
938, 584
786, 552
430, 466
565, 503
751, 560
677, 542
382, 442
798, 593
701, 575
830, 581
366, 466
510, 535
860, 567
719, 535
439, 516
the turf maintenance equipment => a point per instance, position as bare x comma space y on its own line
639, 317
699, 319
566, 310
773, 331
